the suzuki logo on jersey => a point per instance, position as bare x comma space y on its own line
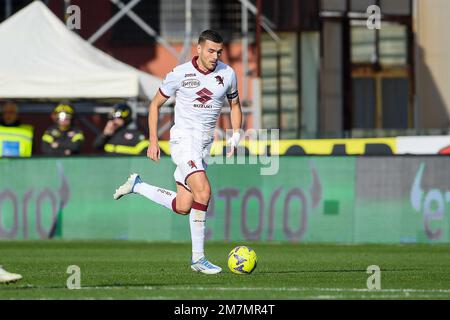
191, 164
204, 96
219, 80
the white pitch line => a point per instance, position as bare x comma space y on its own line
272, 289
381, 296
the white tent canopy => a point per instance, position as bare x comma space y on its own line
41, 58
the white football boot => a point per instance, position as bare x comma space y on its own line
8, 277
204, 266
127, 187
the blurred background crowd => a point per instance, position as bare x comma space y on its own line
63, 137
80, 72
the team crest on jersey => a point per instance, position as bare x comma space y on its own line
219, 80
191, 164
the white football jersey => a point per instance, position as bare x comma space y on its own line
199, 95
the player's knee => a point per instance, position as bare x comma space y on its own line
183, 209
202, 195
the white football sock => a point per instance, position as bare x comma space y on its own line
159, 195
197, 219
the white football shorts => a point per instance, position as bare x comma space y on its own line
190, 154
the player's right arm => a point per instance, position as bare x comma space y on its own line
153, 151
168, 88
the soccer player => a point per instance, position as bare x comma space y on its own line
8, 277
200, 87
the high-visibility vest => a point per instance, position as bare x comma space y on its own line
131, 150
16, 141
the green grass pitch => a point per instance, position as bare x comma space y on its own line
160, 270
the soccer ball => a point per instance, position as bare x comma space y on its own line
242, 260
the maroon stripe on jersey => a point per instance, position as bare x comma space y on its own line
199, 206
185, 179
194, 63
162, 93
180, 184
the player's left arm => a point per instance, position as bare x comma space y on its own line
236, 123
236, 112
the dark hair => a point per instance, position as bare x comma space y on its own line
210, 35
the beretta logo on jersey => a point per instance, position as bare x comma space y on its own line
190, 83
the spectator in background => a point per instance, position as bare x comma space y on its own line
63, 138
118, 138
10, 115
16, 139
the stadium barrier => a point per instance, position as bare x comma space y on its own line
311, 199
424, 145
